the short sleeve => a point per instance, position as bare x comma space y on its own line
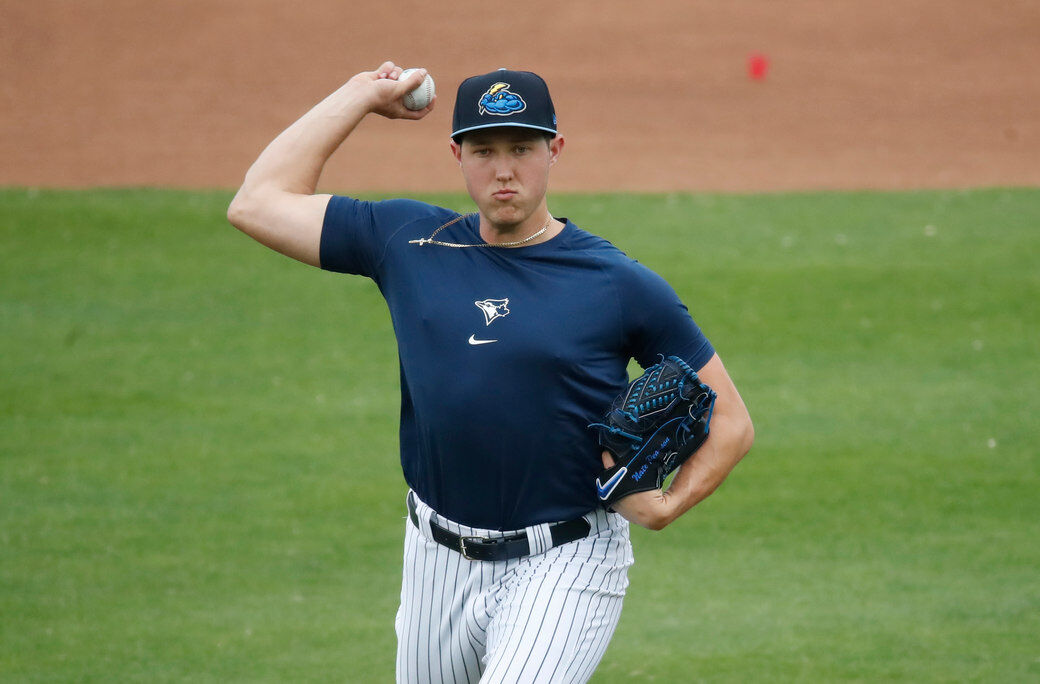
658, 323
355, 233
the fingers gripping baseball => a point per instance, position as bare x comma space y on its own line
386, 88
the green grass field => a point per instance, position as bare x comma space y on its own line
199, 478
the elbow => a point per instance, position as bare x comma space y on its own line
658, 524
747, 437
239, 211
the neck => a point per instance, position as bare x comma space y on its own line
493, 233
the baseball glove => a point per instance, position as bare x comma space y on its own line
652, 428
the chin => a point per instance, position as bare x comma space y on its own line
506, 216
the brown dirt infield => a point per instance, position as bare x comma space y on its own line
651, 96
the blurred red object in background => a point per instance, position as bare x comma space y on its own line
757, 66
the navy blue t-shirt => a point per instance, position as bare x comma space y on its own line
506, 354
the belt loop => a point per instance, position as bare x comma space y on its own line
539, 538
423, 514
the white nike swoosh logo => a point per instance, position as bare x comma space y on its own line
474, 340
605, 488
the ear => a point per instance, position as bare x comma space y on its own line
555, 148
456, 149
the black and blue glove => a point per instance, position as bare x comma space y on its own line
652, 428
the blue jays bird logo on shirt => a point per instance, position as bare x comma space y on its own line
493, 308
501, 101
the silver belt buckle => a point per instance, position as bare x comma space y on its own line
462, 546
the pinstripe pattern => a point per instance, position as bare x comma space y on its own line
547, 617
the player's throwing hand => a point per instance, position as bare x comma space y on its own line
384, 88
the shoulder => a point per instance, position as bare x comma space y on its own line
580, 239
398, 211
356, 234
591, 246
622, 268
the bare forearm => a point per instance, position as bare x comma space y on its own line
293, 162
694, 481
730, 441
276, 204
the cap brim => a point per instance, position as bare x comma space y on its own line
503, 125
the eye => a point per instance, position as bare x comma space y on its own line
522, 149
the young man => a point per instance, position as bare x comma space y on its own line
514, 332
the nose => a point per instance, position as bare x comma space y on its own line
503, 170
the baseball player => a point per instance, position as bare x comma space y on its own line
514, 331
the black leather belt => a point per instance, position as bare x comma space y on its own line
488, 549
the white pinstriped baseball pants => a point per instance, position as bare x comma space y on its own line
547, 617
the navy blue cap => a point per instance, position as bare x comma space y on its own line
503, 98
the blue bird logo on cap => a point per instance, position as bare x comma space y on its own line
501, 101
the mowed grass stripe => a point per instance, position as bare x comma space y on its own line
198, 456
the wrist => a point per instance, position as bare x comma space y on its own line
353, 99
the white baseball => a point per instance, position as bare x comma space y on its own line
421, 96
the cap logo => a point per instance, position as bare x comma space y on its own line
501, 101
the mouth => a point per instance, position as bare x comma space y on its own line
504, 195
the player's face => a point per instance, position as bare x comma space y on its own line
507, 171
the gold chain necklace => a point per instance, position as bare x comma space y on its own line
517, 243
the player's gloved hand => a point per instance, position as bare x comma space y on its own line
383, 89
657, 423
